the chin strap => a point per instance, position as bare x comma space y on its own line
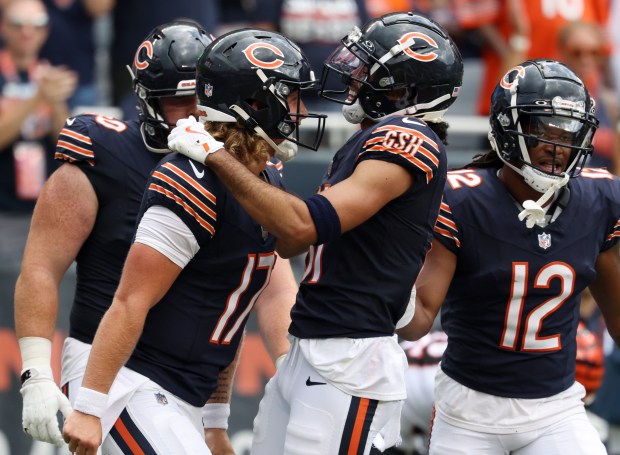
286, 151
533, 212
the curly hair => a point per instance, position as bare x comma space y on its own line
249, 148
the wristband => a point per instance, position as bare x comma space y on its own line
91, 402
36, 353
325, 218
215, 415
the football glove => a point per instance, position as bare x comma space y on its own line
190, 138
42, 401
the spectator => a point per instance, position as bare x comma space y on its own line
71, 43
132, 23
316, 26
582, 46
33, 108
515, 30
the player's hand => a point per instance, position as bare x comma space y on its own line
218, 442
42, 399
82, 433
189, 138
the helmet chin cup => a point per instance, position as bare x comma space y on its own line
286, 151
353, 113
537, 179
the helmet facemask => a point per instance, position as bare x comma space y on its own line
253, 77
564, 128
398, 64
541, 126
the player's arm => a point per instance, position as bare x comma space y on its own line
432, 286
351, 202
215, 413
606, 289
147, 276
273, 309
62, 221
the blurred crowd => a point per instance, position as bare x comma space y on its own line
59, 57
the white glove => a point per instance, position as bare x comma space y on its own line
42, 401
190, 138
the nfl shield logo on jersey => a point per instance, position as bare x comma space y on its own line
544, 240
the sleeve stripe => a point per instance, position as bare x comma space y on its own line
181, 189
410, 131
448, 235
191, 181
424, 151
420, 164
74, 135
79, 150
448, 222
186, 207
63, 156
615, 232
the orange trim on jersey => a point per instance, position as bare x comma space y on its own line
128, 438
448, 235
191, 181
170, 181
70, 159
416, 162
358, 427
412, 131
615, 234
76, 149
447, 221
78, 136
205, 224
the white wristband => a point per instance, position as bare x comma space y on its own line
36, 352
215, 415
90, 402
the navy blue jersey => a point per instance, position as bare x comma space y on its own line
359, 284
113, 156
194, 331
511, 312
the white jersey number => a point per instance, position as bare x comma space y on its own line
255, 262
532, 341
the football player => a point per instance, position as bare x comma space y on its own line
87, 213
197, 266
522, 231
366, 234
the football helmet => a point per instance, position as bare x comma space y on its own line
165, 66
400, 63
250, 76
542, 101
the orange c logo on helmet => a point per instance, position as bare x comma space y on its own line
520, 74
275, 63
149, 53
429, 56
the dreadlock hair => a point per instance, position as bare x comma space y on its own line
489, 159
441, 130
